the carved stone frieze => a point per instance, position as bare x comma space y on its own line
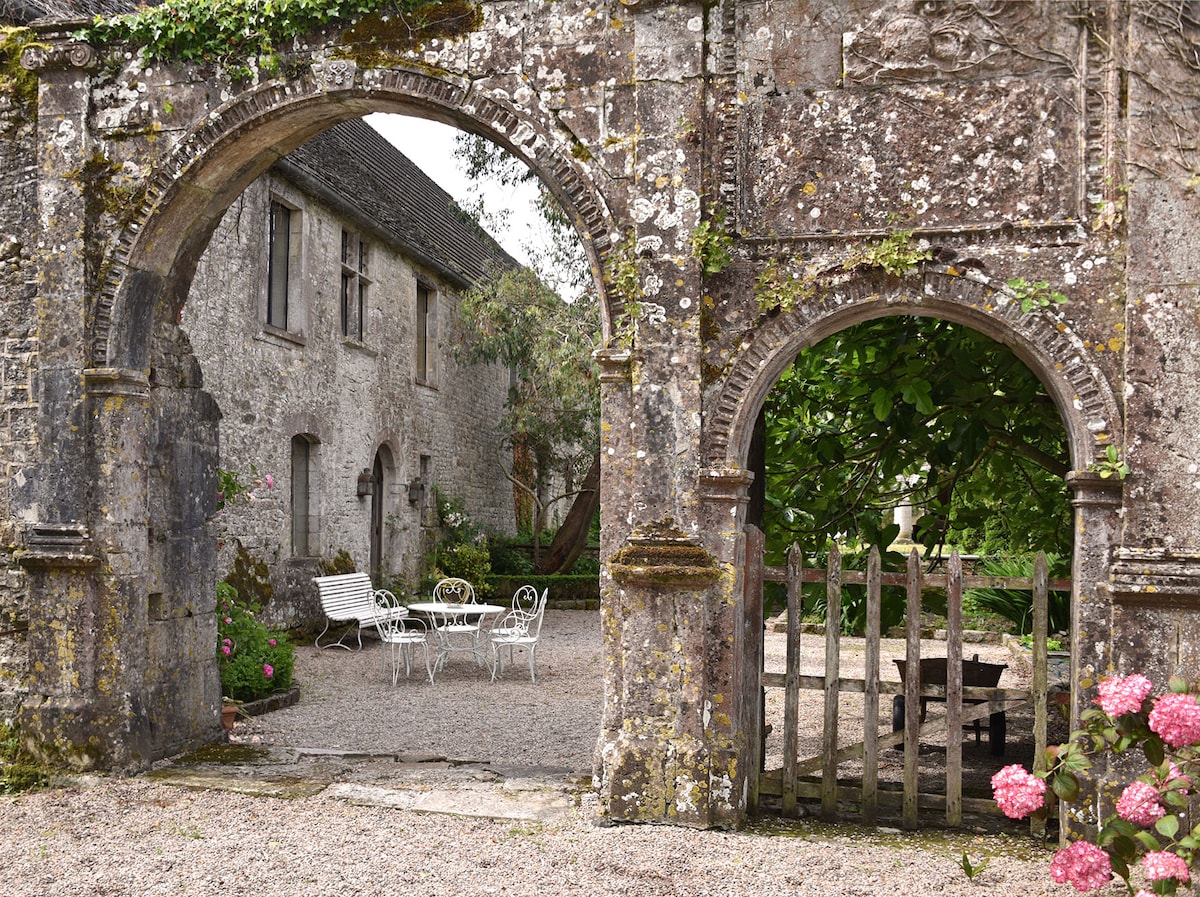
922, 41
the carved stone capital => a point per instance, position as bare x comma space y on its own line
615, 365
726, 484
63, 54
103, 382
1089, 489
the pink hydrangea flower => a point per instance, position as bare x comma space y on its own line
225, 650
271, 642
1083, 864
1139, 804
229, 619
1162, 864
268, 670
1017, 792
1123, 694
1176, 719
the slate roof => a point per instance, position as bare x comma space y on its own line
360, 174
23, 12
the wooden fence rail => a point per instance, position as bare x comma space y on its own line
965, 702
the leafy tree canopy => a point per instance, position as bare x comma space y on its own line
554, 396
909, 410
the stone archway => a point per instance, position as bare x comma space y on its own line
1045, 343
137, 550
804, 132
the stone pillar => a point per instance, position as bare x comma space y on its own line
1097, 503
70, 713
667, 744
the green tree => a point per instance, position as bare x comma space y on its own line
553, 409
910, 410
512, 314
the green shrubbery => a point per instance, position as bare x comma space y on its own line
1016, 605
254, 661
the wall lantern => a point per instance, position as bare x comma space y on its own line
365, 484
416, 492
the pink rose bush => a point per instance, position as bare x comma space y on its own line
1148, 822
253, 662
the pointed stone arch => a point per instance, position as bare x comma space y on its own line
1060, 358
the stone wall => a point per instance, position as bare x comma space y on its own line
351, 397
18, 332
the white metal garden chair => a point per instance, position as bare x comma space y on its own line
524, 603
518, 629
398, 635
456, 631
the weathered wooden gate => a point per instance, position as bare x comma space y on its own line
816, 777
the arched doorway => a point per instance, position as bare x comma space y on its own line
1085, 402
917, 412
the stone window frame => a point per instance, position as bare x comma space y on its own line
354, 260
425, 356
296, 300
304, 490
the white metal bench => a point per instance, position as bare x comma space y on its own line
346, 597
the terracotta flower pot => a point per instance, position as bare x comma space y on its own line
228, 716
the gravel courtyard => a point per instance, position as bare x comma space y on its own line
148, 835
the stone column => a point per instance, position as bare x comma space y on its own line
1097, 503
666, 745
69, 715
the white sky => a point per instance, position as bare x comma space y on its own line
430, 145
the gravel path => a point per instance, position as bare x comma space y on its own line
141, 836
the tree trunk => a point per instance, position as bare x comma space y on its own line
571, 538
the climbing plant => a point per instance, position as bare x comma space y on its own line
241, 34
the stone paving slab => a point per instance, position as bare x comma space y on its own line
427, 784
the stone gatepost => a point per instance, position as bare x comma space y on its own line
667, 749
74, 712
1097, 503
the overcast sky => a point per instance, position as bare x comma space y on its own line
431, 146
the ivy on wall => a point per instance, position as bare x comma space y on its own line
236, 32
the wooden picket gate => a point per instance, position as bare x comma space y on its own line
796, 778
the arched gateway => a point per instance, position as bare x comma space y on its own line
991, 137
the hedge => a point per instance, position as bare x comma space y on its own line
566, 592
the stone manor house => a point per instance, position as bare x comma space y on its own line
321, 316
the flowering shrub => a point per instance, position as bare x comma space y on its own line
233, 489
253, 661
1147, 823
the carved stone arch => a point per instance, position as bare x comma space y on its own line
1058, 356
155, 256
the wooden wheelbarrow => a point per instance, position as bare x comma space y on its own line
975, 673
